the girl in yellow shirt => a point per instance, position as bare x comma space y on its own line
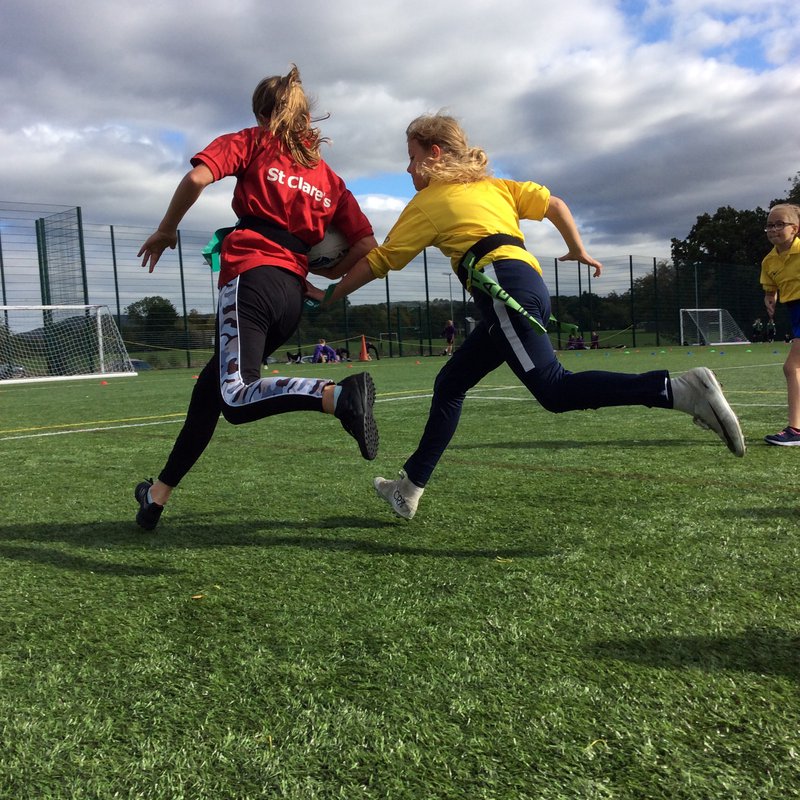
460, 209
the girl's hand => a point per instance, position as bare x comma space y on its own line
313, 293
155, 246
584, 258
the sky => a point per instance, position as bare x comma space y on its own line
640, 115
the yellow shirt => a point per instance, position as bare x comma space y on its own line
781, 272
454, 216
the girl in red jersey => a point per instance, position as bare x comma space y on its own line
285, 197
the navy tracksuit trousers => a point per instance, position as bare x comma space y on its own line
505, 336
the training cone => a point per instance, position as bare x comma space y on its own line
364, 356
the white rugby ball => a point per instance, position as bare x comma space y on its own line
330, 251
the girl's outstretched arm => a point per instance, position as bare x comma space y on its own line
360, 275
186, 194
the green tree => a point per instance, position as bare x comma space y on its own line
202, 328
794, 192
728, 237
152, 321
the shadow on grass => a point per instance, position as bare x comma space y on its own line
51, 557
760, 513
188, 532
577, 444
764, 651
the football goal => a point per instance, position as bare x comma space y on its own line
50, 343
714, 326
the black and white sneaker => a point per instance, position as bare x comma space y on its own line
149, 513
354, 411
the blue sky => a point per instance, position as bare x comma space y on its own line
641, 115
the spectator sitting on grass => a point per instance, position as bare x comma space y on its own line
323, 352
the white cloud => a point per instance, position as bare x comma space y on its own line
641, 115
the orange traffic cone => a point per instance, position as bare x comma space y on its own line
364, 354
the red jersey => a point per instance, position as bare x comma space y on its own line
272, 186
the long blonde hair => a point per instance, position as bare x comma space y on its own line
459, 163
280, 105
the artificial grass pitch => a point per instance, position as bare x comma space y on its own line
590, 605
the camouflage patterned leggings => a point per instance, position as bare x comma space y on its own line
257, 313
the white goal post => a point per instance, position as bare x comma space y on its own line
710, 326
60, 343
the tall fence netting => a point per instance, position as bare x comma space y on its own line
49, 254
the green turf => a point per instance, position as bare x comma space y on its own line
591, 605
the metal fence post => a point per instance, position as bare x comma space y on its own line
82, 250
183, 299
633, 305
399, 332
389, 319
41, 251
116, 275
346, 324
656, 302
427, 301
2, 272
589, 295
558, 308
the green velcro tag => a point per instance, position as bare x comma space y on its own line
212, 250
483, 282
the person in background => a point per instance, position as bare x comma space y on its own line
371, 346
323, 353
780, 279
474, 219
449, 334
769, 330
262, 282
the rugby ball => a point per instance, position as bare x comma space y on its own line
330, 251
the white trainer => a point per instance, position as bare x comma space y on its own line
697, 392
401, 494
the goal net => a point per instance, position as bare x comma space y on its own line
710, 326
47, 343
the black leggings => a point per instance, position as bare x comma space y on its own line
257, 312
